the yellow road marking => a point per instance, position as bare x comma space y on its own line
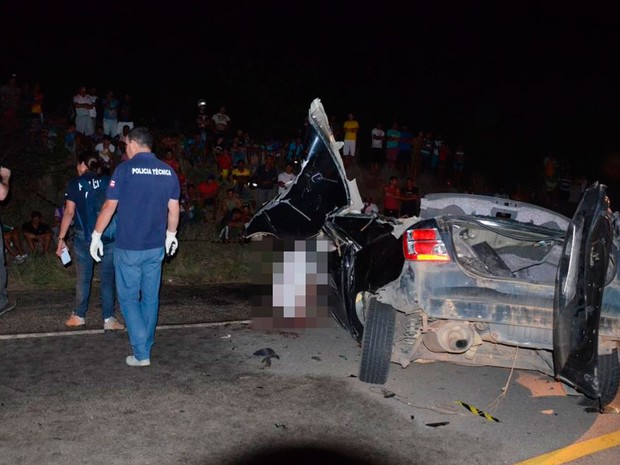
575, 451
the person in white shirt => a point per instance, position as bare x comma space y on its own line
83, 105
92, 93
286, 177
377, 150
370, 208
106, 151
221, 121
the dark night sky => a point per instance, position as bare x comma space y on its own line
513, 81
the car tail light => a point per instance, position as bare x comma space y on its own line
424, 245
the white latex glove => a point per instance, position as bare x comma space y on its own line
96, 246
172, 243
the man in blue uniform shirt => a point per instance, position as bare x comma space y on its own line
145, 193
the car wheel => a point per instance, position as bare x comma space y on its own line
609, 379
377, 342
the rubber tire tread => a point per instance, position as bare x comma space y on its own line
377, 342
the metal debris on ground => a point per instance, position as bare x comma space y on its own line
439, 423
268, 354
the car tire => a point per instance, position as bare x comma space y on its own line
377, 342
609, 379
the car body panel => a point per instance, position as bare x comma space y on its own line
320, 189
432, 205
578, 297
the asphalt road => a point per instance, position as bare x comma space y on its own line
67, 396
44, 311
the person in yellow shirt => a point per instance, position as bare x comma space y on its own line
351, 126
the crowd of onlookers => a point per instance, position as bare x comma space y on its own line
226, 174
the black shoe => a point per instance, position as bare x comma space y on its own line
8, 307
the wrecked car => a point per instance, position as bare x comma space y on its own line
474, 279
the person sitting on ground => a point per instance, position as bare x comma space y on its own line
107, 152
240, 175
237, 222
13, 243
37, 233
186, 205
228, 205
121, 136
410, 199
370, 207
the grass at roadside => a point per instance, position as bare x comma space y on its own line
198, 261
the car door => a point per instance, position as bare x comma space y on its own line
579, 290
320, 189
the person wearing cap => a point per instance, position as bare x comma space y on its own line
203, 121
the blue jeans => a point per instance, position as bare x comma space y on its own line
110, 127
138, 279
84, 267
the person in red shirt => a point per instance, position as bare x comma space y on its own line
170, 159
224, 162
208, 193
391, 196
